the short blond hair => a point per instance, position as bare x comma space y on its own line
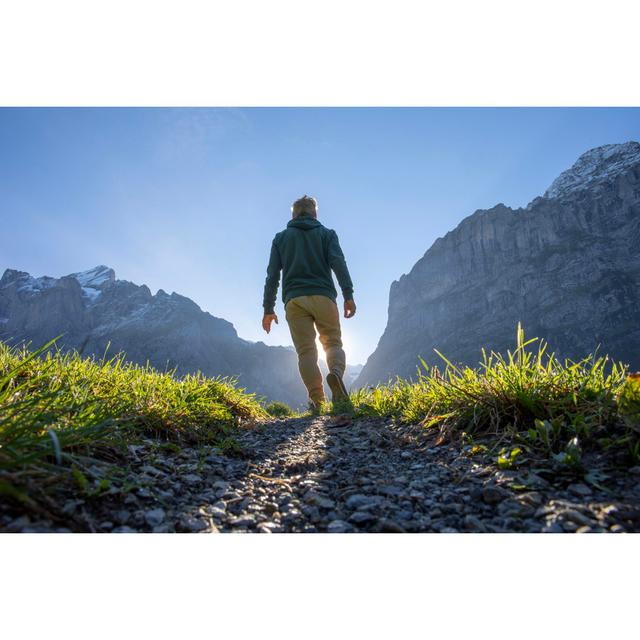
305, 205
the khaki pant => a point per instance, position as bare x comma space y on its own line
305, 314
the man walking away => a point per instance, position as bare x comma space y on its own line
306, 252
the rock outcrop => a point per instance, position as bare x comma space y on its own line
567, 266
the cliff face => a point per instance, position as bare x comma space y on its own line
567, 266
95, 311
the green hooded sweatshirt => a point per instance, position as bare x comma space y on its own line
305, 252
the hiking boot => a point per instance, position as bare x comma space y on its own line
338, 390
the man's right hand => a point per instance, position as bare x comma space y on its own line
349, 308
267, 319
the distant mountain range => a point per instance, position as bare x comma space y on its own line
95, 311
567, 266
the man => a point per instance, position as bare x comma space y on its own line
306, 252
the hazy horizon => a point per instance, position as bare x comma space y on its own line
188, 200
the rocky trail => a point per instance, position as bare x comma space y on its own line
329, 474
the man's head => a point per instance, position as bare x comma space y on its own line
305, 206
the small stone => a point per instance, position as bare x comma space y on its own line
107, 525
515, 509
552, 527
577, 517
532, 498
292, 515
544, 510
579, 489
189, 523
124, 529
243, 521
493, 494
134, 448
221, 487
473, 523
452, 507
385, 525
155, 517
391, 490
406, 454
530, 525
361, 517
122, 516
422, 523
338, 526
71, 505
358, 501
270, 508
192, 478
321, 501
504, 477
18, 524
147, 468
584, 529
326, 503
617, 528
610, 510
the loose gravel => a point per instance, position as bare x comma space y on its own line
332, 475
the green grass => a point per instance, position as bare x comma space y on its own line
279, 410
527, 398
60, 413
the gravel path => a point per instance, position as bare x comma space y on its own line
314, 475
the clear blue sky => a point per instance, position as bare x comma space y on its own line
188, 200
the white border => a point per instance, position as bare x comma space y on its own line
319, 586
335, 52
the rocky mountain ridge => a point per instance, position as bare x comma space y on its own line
567, 266
96, 313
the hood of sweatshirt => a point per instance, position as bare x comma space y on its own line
304, 222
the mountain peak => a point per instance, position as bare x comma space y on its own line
93, 280
593, 166
24, 282
95, 277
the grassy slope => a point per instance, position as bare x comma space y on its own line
531, 402
63, 417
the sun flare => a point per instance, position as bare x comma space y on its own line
321, 354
